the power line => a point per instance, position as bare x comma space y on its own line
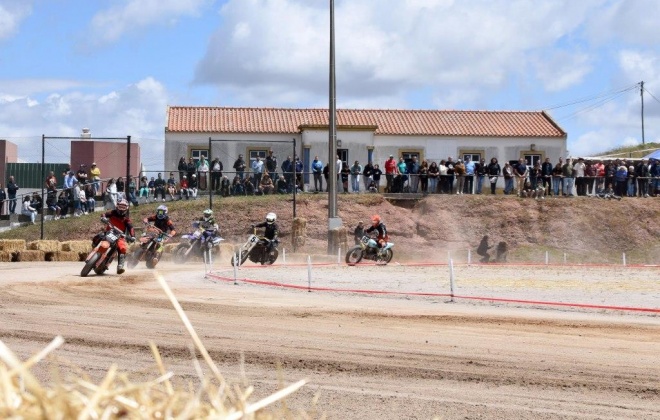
647, 91
592, 97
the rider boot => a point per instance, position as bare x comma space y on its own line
120, 264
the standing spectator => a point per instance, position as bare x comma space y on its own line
412, 168
567, 172
535, 177
95, 176
424, 176
51, 182
459, 172
654, 173
482, 171
171, 186
376, 173
317, 172
390, 172
110, 195
449, 178
520, 172
470, 169
192, 187
402, 168
239, 167
216, 174
558, 179
191, 168
257, 170
81, 175
69, 181
183, 188
600, 173
300, 168
121, 188
546, 175
590, 175
507, 171
367, 174
442, 176
631, 182
642, 172
51, 203
579, 169
28, 210
339, 165
202, 172
621, 177
131, 188
182, 168
356, 170
287, 171
434, 173
494, 172
3, 198
345, 172
159, 187
358, 232
12, 187
271, 165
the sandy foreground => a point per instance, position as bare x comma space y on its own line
365, 355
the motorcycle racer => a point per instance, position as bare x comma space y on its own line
378, 226
207, 224
162, 221
119, 218
271, 230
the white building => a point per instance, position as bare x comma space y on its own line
362, 134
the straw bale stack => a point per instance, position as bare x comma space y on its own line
5, 256
30, 255
76, 246
66, 256
10, 245
44, 245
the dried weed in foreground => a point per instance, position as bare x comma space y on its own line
22, 396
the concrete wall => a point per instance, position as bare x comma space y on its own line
110, 157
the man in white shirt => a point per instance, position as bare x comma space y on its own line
258, 170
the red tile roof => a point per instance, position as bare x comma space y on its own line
192, 119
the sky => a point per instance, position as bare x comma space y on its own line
115, 65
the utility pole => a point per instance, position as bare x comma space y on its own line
641, 93
334, 222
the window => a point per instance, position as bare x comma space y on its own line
474, 155
532, 159
254, 153
409, 154
198, 153
343, 155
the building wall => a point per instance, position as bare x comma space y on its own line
110, 157
8, 154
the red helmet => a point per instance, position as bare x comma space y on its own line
375, 219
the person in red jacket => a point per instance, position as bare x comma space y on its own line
390, 171
119, 218
378, 226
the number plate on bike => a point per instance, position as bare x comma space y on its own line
110, 236
365, 240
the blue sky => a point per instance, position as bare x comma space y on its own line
114, 65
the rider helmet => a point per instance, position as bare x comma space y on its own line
208, 215
122, 207
375, 219
270, 218
161, 212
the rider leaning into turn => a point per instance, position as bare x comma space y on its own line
119, 218
163, 222
379, 227
207, 224
271, 230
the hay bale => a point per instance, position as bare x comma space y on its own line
77, 246
10, 245
66, 256
30, 255
5, 256
44, 245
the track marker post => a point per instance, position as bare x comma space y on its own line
624, 259
564, 258
309, 273
546, 258
451, 280
469, 257
206, 271
236, 257
284, 256
339, 256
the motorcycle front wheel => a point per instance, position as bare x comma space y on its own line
271, 258
152, 259
89, 265
180, 256
243, 258
388, 255
354, 255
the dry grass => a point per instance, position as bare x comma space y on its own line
23, 396
10, 245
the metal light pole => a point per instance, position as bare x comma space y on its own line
333, 221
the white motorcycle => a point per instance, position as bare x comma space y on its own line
256, 248
368, 249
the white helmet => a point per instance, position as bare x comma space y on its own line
208, 214
270, 218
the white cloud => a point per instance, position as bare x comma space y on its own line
137, 110
277, 51
109, 25
561, 69
12, 12
626, 21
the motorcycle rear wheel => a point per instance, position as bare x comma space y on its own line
354, 255
151, 259
135, 258
180, 256
271, 258
89, 265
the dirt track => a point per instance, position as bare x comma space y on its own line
365, 356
